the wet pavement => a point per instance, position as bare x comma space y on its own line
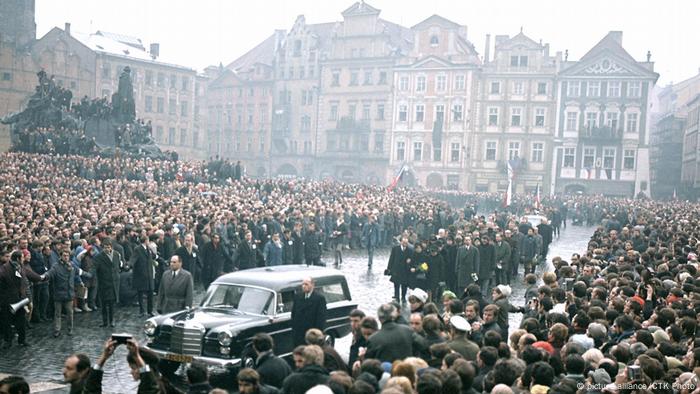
43, 360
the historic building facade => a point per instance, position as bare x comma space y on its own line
515, 116
432, 105
690, 168
603, 122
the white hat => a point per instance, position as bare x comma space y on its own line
460, 324
420, 294
504, 289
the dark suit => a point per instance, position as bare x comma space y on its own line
247, 255
13, 288
215, 260
307, 313
107, 273
142, 280
175, 293
393, 342
398, 268
190, 261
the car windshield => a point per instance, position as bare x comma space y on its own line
242, 298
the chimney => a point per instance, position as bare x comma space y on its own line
487, 49
67, 28
155, 50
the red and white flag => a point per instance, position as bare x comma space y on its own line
397, 178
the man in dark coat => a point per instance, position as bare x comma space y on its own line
311, 374
467, 264
247, 252
297, 244
215, 260
64, 276
393, 341
190, 258
308, 311
175, 292
142, 263
370, 237
13, 289
529, 251
545, 230
487, 263
107, 266
272, 369
398, 268
313, 243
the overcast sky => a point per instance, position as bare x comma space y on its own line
205, 32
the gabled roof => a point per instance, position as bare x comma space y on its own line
611, 42
436, 20
123, 38
263, 53
519, 39
360, 8
401, 37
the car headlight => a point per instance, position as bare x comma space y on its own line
150, 328
225, 337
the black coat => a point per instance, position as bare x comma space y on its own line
12, 287
399, 265
487, 261
215, 260
272, 369
307, 377
189, 260
247, 255
312, 245
467, 263
142, 263
107, 274
307, 313
297, 249
393, 342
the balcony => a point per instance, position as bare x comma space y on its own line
281, 124
600, 133
350, 124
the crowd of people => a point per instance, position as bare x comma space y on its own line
619, 317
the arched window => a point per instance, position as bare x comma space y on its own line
434, 40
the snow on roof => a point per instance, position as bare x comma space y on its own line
101, 43
124, 39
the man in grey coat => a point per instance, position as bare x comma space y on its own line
175, 292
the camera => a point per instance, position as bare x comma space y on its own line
121, 339
634, 372
569, 284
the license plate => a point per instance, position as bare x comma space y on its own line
180, 358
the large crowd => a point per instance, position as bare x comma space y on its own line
619, 317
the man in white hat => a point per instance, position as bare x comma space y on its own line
500, 296
460, 343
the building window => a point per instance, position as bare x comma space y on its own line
593, 89
173, 81
305, 123
420, 84
439, 113
380, 111
159, 133
614, 89
459, 82
571, 121
515, 116
628, 159
569, 157
106, 71
591, 120
573, 88
588, 158
518, 61
493, 116
632, 118
400, 151
434, 40
437, 152
611, 120
518, 88
368, 77
495, 88
403, 83
160, 105
185, 83
183, 109
634, 89
352, 110
417, 151
420, 112
195, 139
172, 107
353, 78
490, 150
403, 113
312, 71
513, 150
171, 136
161, 80
539, 117
149, 78
183, 137
263, 115
537, 154
307, 147
542, 88
250, 111
382, 78
251, 92
366, 109
457, 112
149, 104
290, 75
335, 81
297, 48
379, 143
454, 152
441, 82
333, 113
608, 158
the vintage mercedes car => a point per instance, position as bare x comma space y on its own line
239, 305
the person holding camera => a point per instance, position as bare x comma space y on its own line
82, 377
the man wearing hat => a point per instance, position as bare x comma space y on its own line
460, 343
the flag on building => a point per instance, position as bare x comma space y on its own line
538, 201
397, 178
589, 172
675, 197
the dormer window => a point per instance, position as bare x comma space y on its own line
518, 61
434, 40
